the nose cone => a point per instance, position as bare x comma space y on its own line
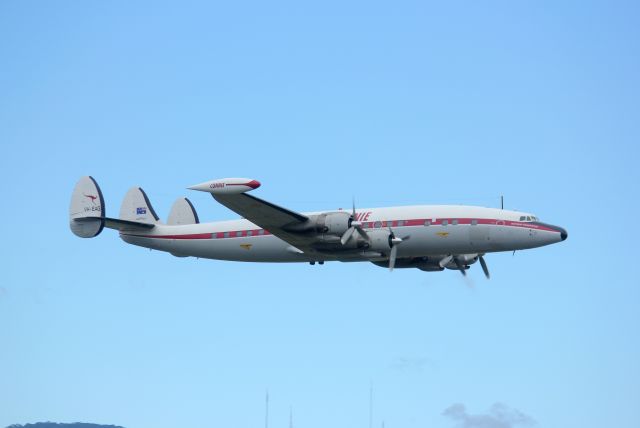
554, 229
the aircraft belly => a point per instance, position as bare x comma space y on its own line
253, 249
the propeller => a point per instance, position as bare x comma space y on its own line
459, 266
393, 243
485, 269
354, 226
451, 258
445, 261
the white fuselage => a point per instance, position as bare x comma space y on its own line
432, 230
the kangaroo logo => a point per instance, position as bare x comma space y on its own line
92, 197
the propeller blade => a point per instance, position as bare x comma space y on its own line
347, 235
392, 258
459, 266
485, 269
442, 263
362, 232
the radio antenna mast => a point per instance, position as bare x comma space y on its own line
266, 412
371, 405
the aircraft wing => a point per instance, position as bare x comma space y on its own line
276, 219
279, 221
258, 211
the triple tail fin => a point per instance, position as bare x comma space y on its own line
87, 212
137, 207
183, 212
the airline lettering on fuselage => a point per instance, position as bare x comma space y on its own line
216, 185
363, 216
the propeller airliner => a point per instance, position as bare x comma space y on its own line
426, 237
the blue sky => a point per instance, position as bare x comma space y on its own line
396, 104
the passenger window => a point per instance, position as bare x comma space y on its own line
261, 232
378, 225
454, 222
226, 234
400, 223
445, 222
474, 222
427, 222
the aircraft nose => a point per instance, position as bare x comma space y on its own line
557, 229
563, 233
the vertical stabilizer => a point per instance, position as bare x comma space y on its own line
183, 212
136, 207
86, 210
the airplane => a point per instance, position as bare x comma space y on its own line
426, 237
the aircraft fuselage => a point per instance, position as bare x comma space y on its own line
429, 231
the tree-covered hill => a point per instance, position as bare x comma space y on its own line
62, 425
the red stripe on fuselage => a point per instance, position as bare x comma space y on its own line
367, 225
188, 236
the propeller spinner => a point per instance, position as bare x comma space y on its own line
393, 243
354, 226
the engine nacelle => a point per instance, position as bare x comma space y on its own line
464, 259
334, 223
428, 264
379, 240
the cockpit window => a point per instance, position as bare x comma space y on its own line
522, 218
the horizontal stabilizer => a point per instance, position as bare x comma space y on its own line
115, 223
